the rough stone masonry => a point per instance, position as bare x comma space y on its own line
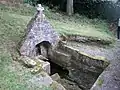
39, 30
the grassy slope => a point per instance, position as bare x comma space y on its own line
12, 75
79, 25
13, 21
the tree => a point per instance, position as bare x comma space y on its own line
69, 7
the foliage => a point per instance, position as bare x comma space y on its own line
79, 25
31, 2
23, 10
105, 9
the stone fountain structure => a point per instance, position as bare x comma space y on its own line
39, 33
39, 39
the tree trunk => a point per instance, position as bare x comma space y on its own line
69, 7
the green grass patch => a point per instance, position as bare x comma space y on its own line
12, 76
68, 25
79, 25
21, 9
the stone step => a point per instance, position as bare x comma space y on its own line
36, 64
45, 82
41, 66
55, 77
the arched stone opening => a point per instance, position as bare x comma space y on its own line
44, 48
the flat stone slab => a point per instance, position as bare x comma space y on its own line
37, 64
45, 82
27, 61
45, 65
42, 79
55, 77
83, 68
85, 58
61, 58
109, 79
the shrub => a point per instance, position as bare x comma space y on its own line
32, 2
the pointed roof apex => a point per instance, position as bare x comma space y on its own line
40, 8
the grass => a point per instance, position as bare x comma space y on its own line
80, 25
69, 25
13, 22
12, 76
11, 30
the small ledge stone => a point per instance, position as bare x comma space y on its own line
28, 61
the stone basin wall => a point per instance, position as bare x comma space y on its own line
83, 68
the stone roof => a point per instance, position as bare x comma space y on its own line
39, 30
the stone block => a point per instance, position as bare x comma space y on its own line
27, 61
41, 79
36, 69
61, 58
57, 86
55, 77
83, 68
44, 65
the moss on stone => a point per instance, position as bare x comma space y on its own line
54, 86
46, 88
38, 63
57, 86
101, 58
106, 63
36, 69
43, 74
94, 57
100, 82
90, 56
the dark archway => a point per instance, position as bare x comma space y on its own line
44, 48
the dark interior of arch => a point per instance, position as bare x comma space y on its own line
43, 48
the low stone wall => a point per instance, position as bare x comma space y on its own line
83, 68
109, 79
89, 40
